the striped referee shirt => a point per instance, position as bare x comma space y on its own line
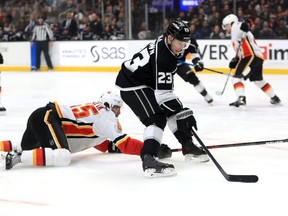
40, 32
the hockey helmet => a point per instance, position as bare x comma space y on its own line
179, 30
110, 99
229, 19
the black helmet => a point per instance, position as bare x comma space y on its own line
179, 30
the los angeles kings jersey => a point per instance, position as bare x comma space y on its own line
154, 67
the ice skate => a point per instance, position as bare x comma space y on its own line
196, 154
12, 158
2, 110
164, 152
275, 100
208, 99
154, 168
241, 102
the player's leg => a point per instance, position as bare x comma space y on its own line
185, 72
242, 70
181, 128
144, 105
257, 77
44, 142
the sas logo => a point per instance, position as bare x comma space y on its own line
107, 53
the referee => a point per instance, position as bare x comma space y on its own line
42, 34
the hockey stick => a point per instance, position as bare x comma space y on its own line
228, 177
240, 144
215, 71
222, 92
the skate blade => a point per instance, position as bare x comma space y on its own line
190, 158
151, 172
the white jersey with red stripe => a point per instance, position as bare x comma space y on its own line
81, 125
248, 47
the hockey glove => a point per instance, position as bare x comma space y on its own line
185, 121
245, 26
233, 63
199, 66
164, 152
1, 59
112, 148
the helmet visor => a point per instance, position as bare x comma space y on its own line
183, 44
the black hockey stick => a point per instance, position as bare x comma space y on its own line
228, 177
215, 71
240, 144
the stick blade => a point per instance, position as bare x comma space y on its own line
219, 93
243, 178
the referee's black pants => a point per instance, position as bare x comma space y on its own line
43, 46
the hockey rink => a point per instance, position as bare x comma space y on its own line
114, 184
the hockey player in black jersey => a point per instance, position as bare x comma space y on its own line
146, 86
186, 72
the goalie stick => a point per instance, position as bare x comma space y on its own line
240, 144
228, 177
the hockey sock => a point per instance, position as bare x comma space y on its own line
238, 86
265, 87
201, 89
37, 157
6, 146
46, 157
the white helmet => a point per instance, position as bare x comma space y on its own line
229, 19
110, 99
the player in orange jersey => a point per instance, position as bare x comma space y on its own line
55, 131
248, 62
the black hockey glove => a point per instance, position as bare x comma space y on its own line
245, 26
199, 66
164, 152
185, 121
112, 148
233, 63
1, 59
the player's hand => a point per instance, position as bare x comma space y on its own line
233, 63
245, 26
1, 59
112, 148
199, 66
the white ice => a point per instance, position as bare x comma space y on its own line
113, 184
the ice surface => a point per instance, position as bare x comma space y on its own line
113, 184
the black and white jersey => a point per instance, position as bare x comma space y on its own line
42, 33
154, 67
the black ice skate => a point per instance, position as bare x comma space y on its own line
2, 109
208, 99
241, 102
195, 154
275, 100
164, 152
12, 158
154, 168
